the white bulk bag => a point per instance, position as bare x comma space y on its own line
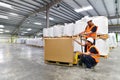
102, 46
102, 23
50, 32
45, 32
68, 29
79, 27
112, 40
58, 30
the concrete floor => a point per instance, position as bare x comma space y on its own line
20, 62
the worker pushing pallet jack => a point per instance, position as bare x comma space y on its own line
90, 56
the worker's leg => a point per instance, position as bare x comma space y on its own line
85, 48
94, 42
88, 61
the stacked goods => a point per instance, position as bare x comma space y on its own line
79, 26
102, 23
58, 30
45, 32
35, 42
50, 30
71, 29
68, 29
21, 40
112, 40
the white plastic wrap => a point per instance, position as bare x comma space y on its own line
79, 26
102, 23
68, 29
102, 46
45, 32
58, 30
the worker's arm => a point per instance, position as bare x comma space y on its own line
87, 53
79, 42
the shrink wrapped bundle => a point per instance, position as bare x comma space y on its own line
68, 29
102, 46
58, 30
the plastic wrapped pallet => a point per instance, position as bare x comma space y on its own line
102, 46
102, 23
58, 30
79, 26
68, 29
45, 32
50, 32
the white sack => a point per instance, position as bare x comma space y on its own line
58, 30
102, 23
102, 46
68, 29
45, 32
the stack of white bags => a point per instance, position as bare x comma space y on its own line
35, 42
21, 40
71, 29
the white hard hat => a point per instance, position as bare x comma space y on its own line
88, 19
90, 40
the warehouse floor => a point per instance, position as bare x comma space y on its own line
20, 62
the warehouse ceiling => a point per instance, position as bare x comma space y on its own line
28, 17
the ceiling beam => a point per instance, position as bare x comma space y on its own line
36, 11
94, 8
113, 17
81, 7
103, 1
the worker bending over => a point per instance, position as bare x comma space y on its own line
90, 31
91, 57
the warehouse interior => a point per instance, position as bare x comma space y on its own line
23, 38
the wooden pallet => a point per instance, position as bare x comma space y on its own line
58, 63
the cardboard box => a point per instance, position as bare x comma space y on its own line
59, 49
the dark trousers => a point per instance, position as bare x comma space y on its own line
86, 46
87, 60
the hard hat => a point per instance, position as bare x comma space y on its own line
90, 40
88, 20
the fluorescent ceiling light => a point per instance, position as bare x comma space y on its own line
24, 32
4, 17
84, 9
6, 5
37, 23
13, 14
1, 26
7, 31
29, 29
1, 30
50, 18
